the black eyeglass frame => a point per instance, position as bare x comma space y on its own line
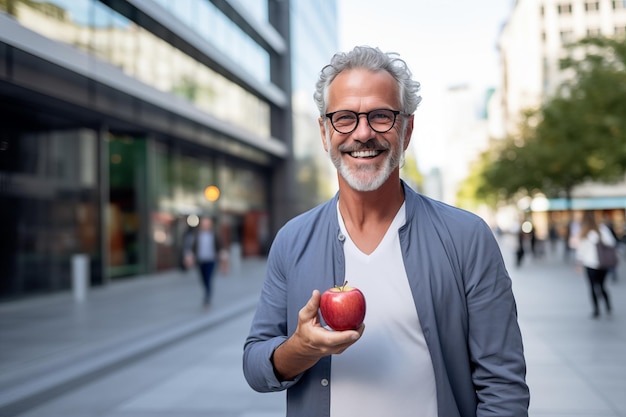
367, 117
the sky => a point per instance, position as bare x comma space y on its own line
446, 43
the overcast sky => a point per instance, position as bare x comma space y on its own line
445, 42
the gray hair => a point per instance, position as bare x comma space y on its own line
372, 59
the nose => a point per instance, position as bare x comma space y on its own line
363, 129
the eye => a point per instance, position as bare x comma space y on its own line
381, 116
344, 118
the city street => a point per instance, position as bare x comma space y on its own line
576, 365
200, 376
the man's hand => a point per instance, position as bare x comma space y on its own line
189, 260
310, 342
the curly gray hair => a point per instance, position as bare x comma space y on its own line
372, 59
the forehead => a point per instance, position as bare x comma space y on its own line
361, 88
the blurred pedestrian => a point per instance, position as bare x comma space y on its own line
441, 336
202, 249
553, 235
612, 273
536, 247
571, 238
519, 253
591, 233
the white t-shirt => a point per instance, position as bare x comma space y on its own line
388, 372
586, 252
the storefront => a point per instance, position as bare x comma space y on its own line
118, 115
121, 199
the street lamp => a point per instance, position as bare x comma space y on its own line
212, 193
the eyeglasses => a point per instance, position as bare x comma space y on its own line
380, 120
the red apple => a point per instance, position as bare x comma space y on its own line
343, 307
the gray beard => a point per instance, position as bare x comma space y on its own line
368, 178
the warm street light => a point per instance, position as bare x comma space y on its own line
212, 193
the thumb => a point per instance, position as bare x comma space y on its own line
309, 311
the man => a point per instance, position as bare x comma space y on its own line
202, 249
442, 337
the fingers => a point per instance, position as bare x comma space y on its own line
339, 341
310, 333
309, 311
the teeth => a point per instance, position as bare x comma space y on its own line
364, 154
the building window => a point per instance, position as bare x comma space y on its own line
592, 6
564, 8
215, 27
594, 32
567, 36
619, 4
117, 40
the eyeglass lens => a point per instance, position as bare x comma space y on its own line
381, 120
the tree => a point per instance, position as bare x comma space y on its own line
508, 169
576, 136
410, 171
473, 186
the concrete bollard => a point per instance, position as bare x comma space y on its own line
80, 276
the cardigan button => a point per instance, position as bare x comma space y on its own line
341, 237
324, 382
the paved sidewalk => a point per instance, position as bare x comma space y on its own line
51, 343
576, 365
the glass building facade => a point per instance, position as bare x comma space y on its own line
314, 38
117, 115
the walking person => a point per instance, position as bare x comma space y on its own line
591, 233
612, 272
553, 235
441, 337
202, 248
519, 253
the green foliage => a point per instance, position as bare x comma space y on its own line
576, 136
410, 171
470, 191
509, 168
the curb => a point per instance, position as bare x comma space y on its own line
34, 392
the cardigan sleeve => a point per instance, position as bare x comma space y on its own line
268, 329
494, 340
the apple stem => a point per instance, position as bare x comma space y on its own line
342, 287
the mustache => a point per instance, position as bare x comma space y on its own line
371, 144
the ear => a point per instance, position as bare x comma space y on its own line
323, 133
408, 132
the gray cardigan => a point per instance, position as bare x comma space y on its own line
462, 294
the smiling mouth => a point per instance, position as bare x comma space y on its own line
368, 153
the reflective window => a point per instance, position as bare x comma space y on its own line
209, 22
256, 8
91, 26
127, 179
241, 189
184, 10
48, 204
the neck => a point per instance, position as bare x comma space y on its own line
360, 208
